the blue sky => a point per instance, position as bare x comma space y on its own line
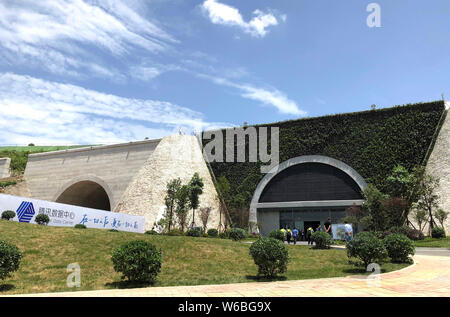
83, 72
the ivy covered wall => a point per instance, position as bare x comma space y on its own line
372, 142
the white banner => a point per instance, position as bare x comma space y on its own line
62, 215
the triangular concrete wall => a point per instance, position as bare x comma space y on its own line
175, 156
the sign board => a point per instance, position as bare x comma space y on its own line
339, 231
62, 215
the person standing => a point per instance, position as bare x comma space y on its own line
309, 232
327, 227
295, 235
288, 235
348, 231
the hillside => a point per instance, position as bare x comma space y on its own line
186, 260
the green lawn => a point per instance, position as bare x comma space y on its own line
186, 260
433, 243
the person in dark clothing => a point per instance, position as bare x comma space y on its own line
327, 227
309, 231
288, 235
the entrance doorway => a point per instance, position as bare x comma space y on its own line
312, 224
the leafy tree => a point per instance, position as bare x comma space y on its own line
374, 206
204, 216
396, 209
181, 206
441, 216
195, 190
354, 214
170, 201
425, 187
421, 217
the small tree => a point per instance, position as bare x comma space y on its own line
373, 204
170, 201
421, 217
204, 216
10, 257
195, 190
428, 199
181, 208
441, 216
396, 208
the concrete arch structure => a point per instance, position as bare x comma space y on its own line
256, 204
87, 191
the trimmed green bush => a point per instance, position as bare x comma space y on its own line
367, 248
270, 255
399, 247
237, 234
438, 233
10, 257
322, 240
194, 232
154, 232
213, 233
175, 232
8, 214
113, 230
42, 219
277, 234
80, 226
138, 261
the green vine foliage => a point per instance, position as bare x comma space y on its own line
372, 142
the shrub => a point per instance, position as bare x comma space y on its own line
237, 234
415, 235
213, 233
270, 255
321, 239
80, 226
367, 248
138, 261
10, 257
42, 219
276, 234
399, 247
175, 232
194, 232
438, 233
224, 234
113, 230
151, 232
8, 214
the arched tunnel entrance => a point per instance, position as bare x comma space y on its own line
86, 194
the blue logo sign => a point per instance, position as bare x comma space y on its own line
25, 211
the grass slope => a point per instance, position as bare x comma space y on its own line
186, 260
433, 243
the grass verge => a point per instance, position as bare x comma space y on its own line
186, 260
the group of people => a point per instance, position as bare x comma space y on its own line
295, 235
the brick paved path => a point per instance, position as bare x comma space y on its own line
429, 276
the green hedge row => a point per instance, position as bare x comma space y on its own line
372, 142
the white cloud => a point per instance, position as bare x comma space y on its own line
220, 13
35, 110
68, 36
270, 97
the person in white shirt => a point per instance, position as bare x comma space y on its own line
348, 231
